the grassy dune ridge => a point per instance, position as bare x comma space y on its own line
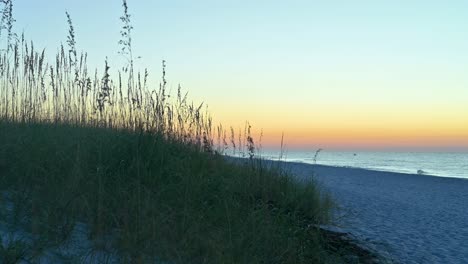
165, 199
142, 170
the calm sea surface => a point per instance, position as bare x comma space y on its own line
437, 164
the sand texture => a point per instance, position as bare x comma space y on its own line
409, 218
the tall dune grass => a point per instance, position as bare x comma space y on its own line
66, 91
138, 167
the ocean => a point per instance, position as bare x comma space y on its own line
444, 164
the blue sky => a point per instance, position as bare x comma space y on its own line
303, 67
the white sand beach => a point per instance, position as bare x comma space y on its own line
408, 218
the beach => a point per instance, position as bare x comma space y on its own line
407, 218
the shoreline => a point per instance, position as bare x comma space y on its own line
408, 218
442, 164
370, 170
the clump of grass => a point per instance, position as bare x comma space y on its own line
32, 90
13, 252
139, 167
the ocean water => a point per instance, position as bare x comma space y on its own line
444, 164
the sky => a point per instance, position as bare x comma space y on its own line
347, 75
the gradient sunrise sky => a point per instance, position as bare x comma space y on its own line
329, 74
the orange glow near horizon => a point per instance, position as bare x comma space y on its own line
357, 128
